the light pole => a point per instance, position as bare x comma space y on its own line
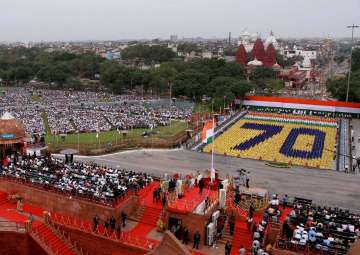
212, 106
78, 140
224, 102
351, 51
169, 82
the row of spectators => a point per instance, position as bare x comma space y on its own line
318, 228
83, 179
306, 228
68, 111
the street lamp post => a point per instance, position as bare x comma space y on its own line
78, 140
351, 51
170, 99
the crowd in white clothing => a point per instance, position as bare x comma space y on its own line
85, 111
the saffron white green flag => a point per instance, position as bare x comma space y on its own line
207, 133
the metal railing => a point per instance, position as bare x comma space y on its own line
100, 231
66, 239
45, 244
190, 205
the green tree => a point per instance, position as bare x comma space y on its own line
150, 54
232, 69
87, 65
114, 76
190, 83
73, 83
262, 73
23, 73
240, 87
187, 47
338, 87
356, 60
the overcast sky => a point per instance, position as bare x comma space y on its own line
49, 20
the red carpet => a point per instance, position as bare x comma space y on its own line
53, 241
12, 215
241, 237
127, 253
150, 216
191, 199
146, 196
197, 253
34, 210
8, 211
147, 222
284, 213
3, 198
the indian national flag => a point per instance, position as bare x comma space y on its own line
207, 133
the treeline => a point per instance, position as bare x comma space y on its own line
149, 54
220, 80
22, 65
338, 87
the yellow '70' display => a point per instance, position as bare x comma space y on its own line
299, 144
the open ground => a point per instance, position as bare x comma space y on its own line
325, 187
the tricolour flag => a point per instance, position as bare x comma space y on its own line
207, 133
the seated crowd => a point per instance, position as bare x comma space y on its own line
306, 227
87, 180
85, 111
319, 228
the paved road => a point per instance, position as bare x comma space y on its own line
323, 186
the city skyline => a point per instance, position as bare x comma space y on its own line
40, 20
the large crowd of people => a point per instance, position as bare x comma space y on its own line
86, 111
79, 179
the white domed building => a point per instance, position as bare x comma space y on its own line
248, 40
272, 40
255, 63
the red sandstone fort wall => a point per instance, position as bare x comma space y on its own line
101, 246
12, 243
55, 202
170, 245
193, 222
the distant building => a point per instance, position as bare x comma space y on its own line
173, 47
261, 55
307, 55
248, 40
293, 78
109, 55
173, 38
207, 54
241, 55
289, 53
258, 51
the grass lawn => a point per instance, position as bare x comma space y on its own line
113, 136
46, 122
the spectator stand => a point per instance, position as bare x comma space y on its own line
318, 230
